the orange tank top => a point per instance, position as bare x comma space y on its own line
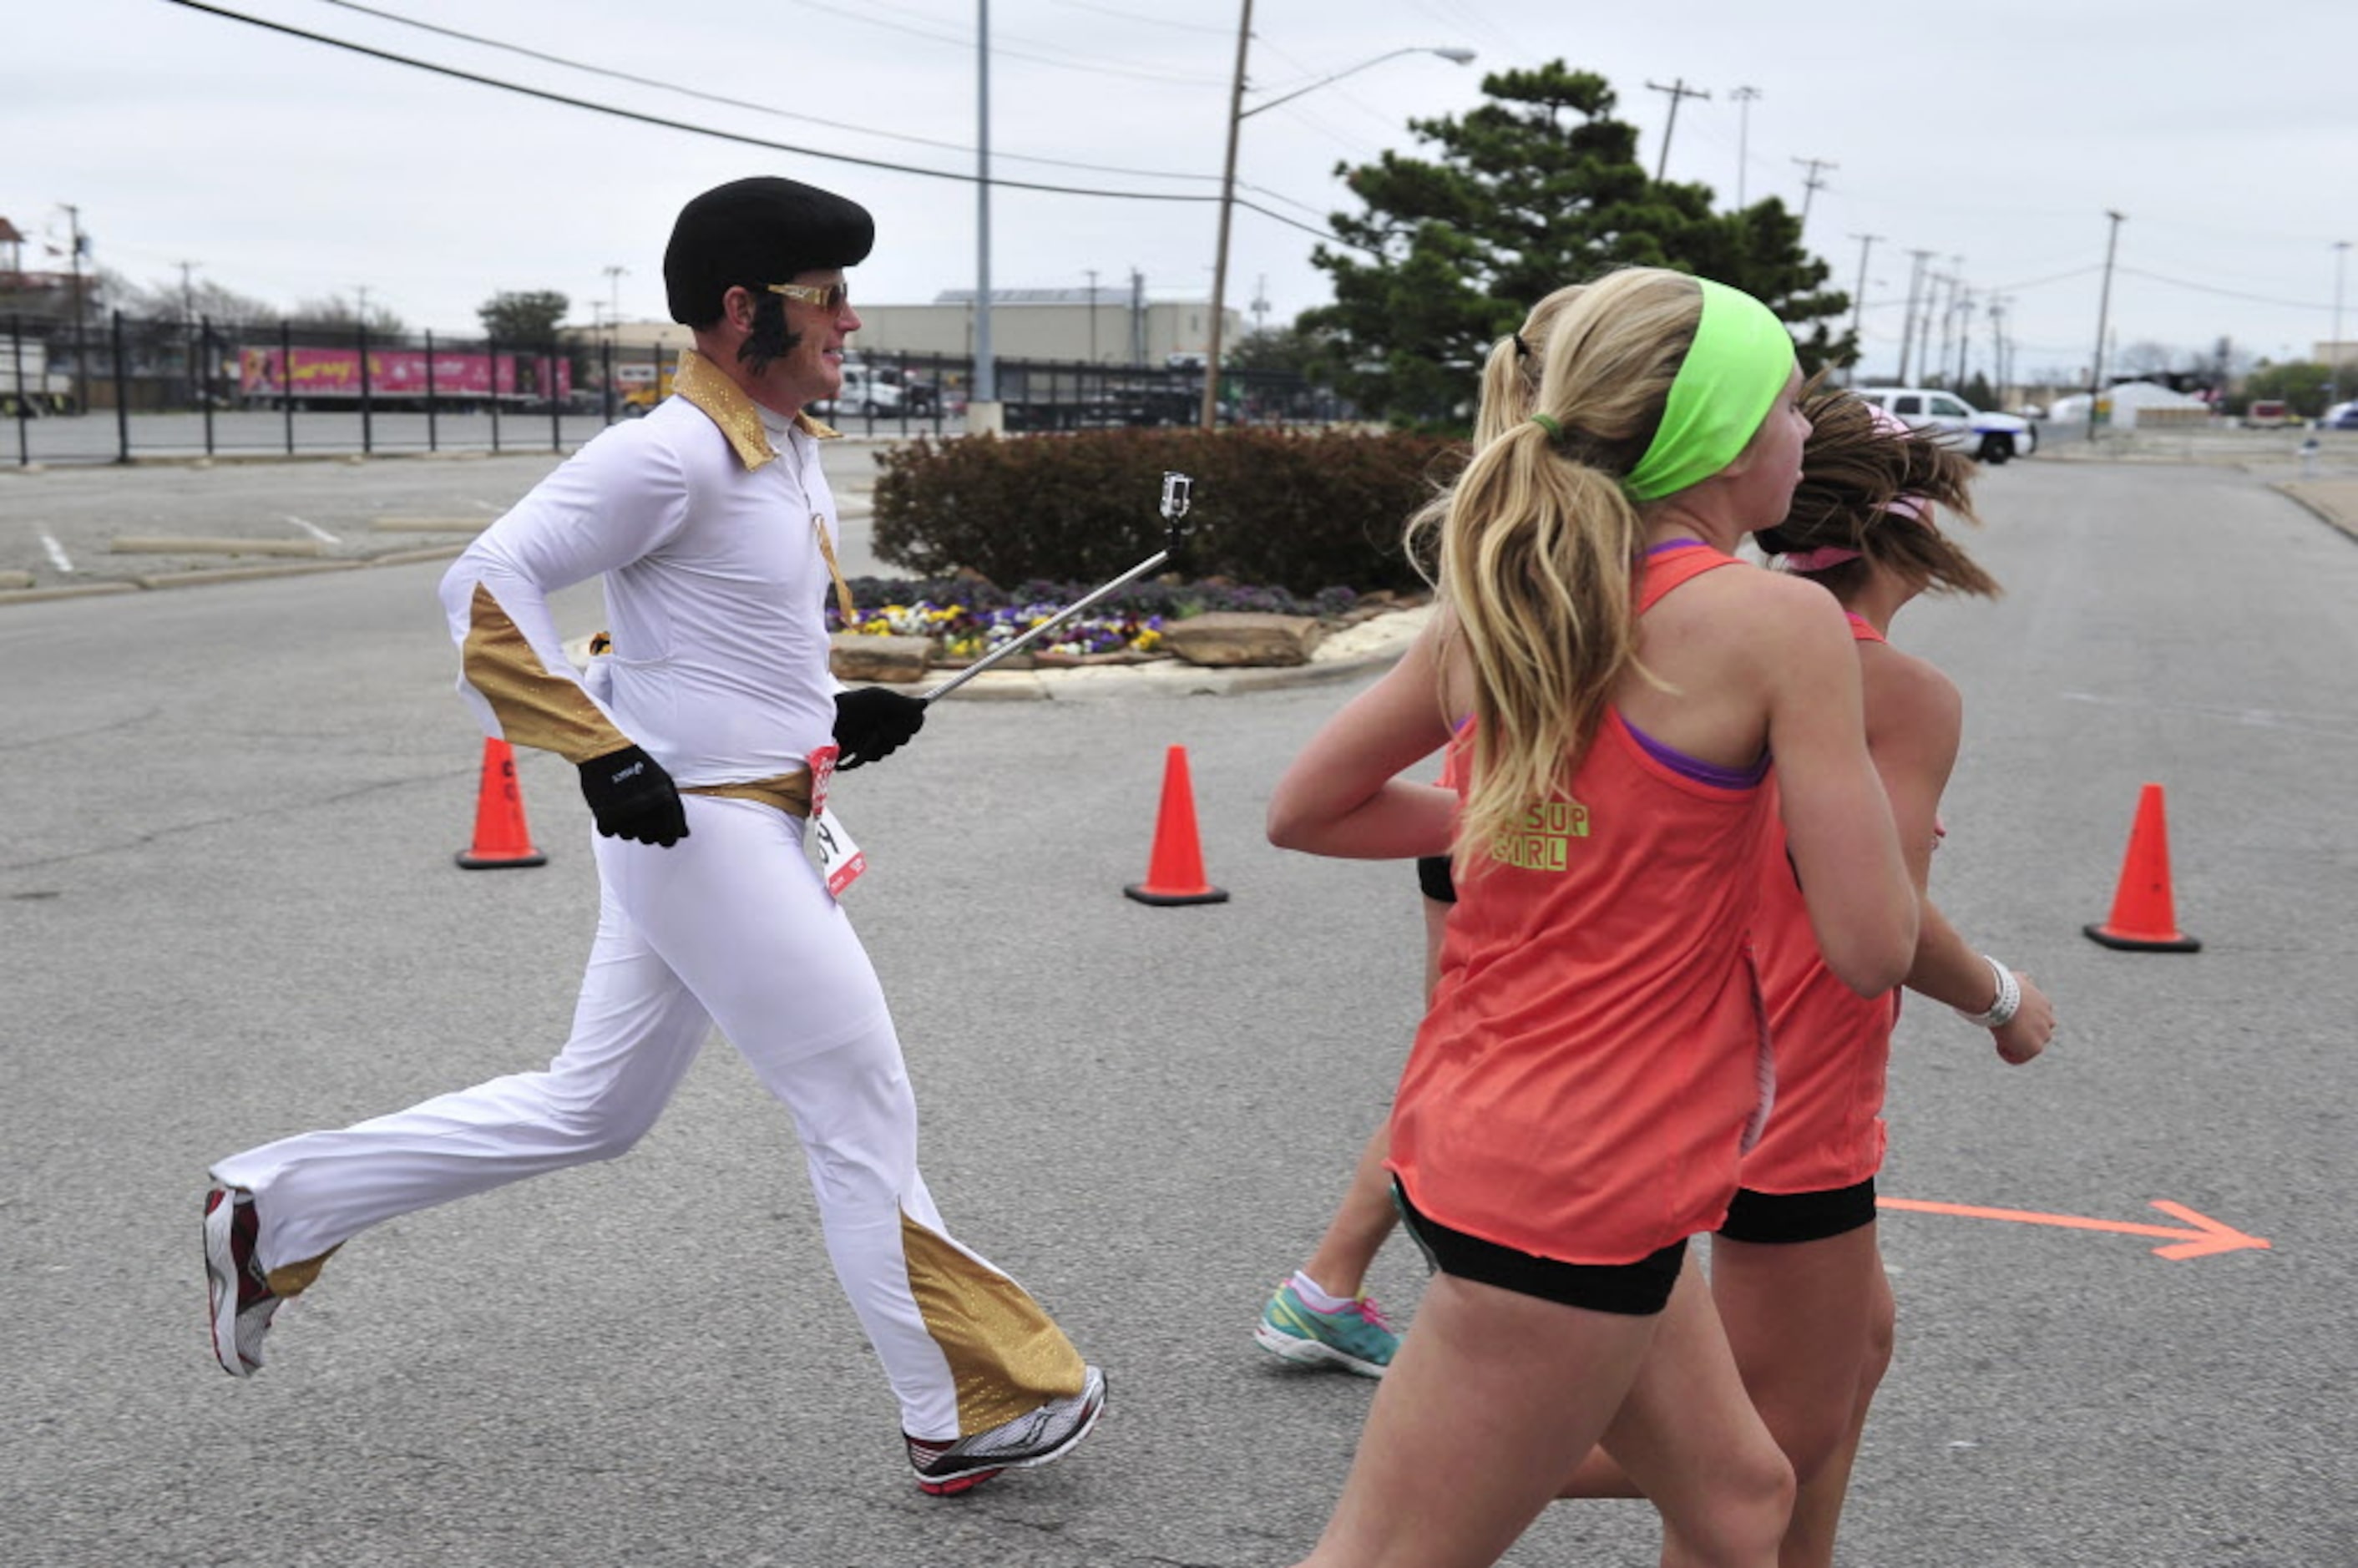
1592, 1063
1832, 1045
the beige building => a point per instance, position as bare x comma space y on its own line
1110, 329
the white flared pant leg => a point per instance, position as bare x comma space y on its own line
636, 1029
731, 925
751, 929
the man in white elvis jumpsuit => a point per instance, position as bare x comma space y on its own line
714, 721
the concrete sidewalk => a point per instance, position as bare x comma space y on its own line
2334, 500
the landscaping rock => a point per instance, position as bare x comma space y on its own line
893, 660
1240, 637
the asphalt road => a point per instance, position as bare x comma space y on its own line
61, 526
228, 912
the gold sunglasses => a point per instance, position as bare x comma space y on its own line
829, 297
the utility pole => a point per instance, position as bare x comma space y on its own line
1908, 325
2103, 316
1964, 335
1997, 348
983, 413
1677, 89
362, 309
1211, 408
1744, 97
1926, 369
614, 271
1136, 317
1858, 302
2333, 364
188, 323
76, 243
1948, 325
1812, 184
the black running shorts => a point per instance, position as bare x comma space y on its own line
1783, 1218
1632, 1290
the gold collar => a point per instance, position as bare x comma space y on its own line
722, 401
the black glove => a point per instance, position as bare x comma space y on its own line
632, 797
872, 723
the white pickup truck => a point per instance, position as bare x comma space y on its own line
27, 387
1992, 438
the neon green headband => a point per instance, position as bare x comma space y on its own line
1740, 360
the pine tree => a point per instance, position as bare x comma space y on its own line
1538, 188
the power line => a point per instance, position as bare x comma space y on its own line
1136, 16
663, 86
967, 42
691, 129
2054, 277
2224, 293
695, 130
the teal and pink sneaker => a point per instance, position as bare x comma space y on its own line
1359, 1338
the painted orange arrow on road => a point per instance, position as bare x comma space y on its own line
2207, 1236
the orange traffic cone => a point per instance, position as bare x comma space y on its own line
1174, 874
2144, 919
503, 838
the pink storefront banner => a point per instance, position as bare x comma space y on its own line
396, 372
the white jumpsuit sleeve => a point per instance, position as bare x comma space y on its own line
618, 499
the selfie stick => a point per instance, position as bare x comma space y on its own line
1175, 496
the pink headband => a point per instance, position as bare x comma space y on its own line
1912, 507
1908, 506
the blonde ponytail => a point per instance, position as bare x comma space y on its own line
1537, 545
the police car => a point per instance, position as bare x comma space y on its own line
1992, 438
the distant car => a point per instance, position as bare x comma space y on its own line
2341, 417
917, 395
1992, 438
864, 391
2267, 414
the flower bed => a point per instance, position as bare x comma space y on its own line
967, 618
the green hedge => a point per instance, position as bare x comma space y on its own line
1272, 508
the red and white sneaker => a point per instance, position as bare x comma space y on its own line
1041, 1437
243, 1301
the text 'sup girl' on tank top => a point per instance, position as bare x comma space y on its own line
1594, 1060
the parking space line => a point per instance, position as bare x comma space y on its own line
314, 530
56, 552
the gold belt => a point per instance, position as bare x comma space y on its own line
790, 792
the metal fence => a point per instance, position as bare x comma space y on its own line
128, 388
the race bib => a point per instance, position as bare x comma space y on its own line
840, 862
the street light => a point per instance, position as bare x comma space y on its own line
1237, 115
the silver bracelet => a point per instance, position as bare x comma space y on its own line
2009, 1000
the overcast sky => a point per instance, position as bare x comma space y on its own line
1994, 136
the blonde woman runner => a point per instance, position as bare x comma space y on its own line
1593, 1062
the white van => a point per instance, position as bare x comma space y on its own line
1992, 438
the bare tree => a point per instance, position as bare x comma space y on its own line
2151, 359
338, 313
